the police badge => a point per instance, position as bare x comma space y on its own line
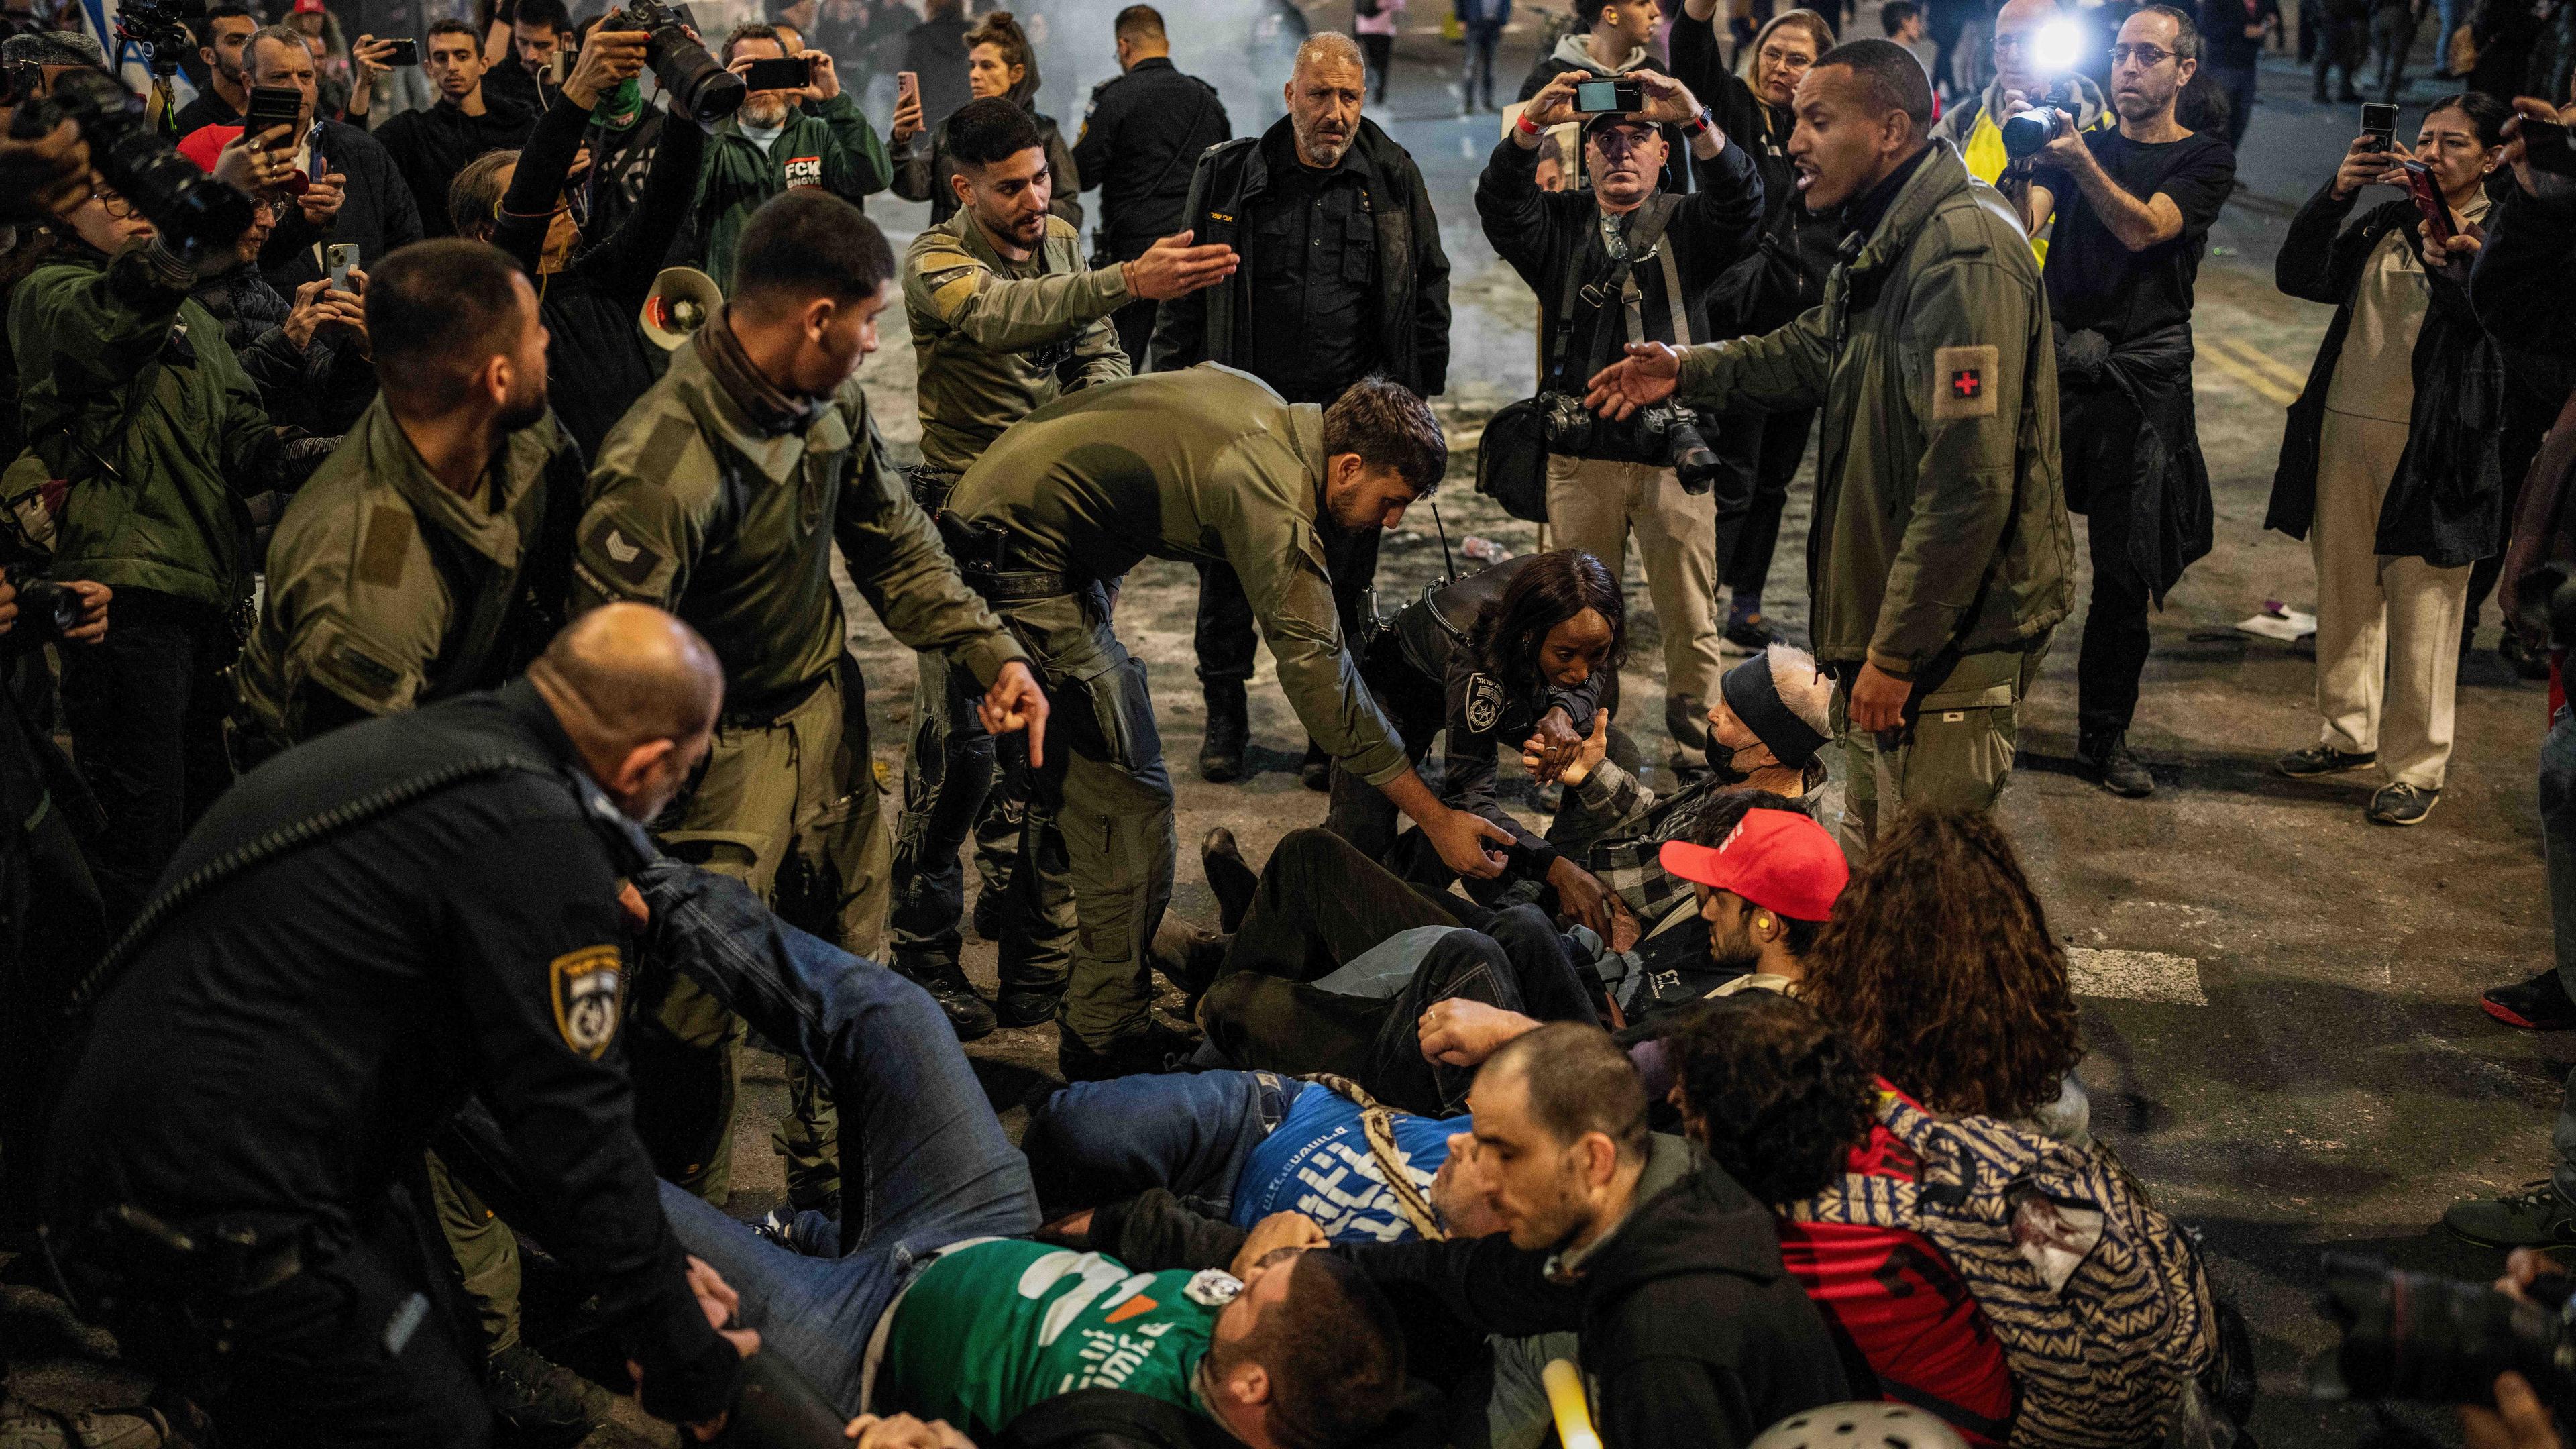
584, 990
1484, 702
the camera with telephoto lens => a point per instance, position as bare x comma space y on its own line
166, 28
2426, 1339
194, 213
55, 607
1667, 435
2026, 131
700, 90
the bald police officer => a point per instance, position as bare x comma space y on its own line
721, 494
1004, 317
359, 936
1140, 142
1204, 465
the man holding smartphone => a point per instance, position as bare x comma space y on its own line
781, 138
2133, 208
431, 146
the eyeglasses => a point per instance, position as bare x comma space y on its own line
1787, 59
2147, 56
117, 207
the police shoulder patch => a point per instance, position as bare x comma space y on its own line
1963, 382
583, 985
1484, 702
626, 559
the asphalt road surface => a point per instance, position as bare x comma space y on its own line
2280, 998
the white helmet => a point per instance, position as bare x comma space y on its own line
1876, 1425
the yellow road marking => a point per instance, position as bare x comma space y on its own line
2262, 384
2248, 352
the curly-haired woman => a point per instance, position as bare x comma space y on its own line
1939, 964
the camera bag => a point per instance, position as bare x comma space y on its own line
2100, 1302
1511, 456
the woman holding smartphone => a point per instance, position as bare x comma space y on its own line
999, 62
2389, 465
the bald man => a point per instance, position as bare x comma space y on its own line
361, 934
2022, 76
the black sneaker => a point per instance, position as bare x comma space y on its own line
2401, 804
1316, 770
2536, 1217
540, 1402
969, 1014
1229, 729
2114, 768
1158, 1048
2316, 760
2539, 1004
1233, 882
1750, 633
1019, 1006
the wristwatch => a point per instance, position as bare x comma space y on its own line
1698, 126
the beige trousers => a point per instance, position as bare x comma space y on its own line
2388, 629
1594, 506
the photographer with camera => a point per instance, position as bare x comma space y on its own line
2027, 68
2133, 208
1629, 262
778, 140
133, 398
1943, 558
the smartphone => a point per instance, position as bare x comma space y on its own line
404, 52
341, 256
2428, 200
1593, 97
271, 107
2544, 144
559, 69
787, 73
2378, 127
907, 87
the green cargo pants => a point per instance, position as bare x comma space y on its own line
1105, 784
487, 1255
1955, 755
789, 806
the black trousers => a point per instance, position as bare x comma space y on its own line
1380, 50
146, 707
1418, 707
2114, 651
1135, 324
1322, 903
52, 929
1757, 538
1225, 634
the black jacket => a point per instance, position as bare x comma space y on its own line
1697, 1335
1140, 141
1413, 272
2446, 503
376, 211
1543, 234
1797, 248
935, 50
599, 359
2520, 286
429, 147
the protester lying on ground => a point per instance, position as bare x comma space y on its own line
1337, 956
1692, 1330
601, 362
1518, 652
1940, 965
926, 1297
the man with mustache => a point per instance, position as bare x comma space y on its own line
2133, 208
1940, 555
773, 143
1342, 276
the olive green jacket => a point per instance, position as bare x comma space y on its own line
992, 335
1940, 523
695, 509
388, 590
1203, 465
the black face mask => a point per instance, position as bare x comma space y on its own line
1721, 765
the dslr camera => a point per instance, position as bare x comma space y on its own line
1667, 435
2427, 1339
194, 212
700, 90
2027, 131
166, 28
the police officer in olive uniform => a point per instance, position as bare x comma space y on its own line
1204, 465
396, 580
358, 937
1004, 317
1141, 139
720, 494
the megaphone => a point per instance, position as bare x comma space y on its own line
681, 302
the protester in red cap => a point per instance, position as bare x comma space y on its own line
1766, 888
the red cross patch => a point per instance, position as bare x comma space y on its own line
1958, 378
1965, 384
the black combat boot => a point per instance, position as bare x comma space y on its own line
1229, 726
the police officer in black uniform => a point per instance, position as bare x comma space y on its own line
1140, 139
357, 937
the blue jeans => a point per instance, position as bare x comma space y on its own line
1188, 1133
2558, 837
923, 1160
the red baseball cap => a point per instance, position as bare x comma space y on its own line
1777, 859
308, 7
